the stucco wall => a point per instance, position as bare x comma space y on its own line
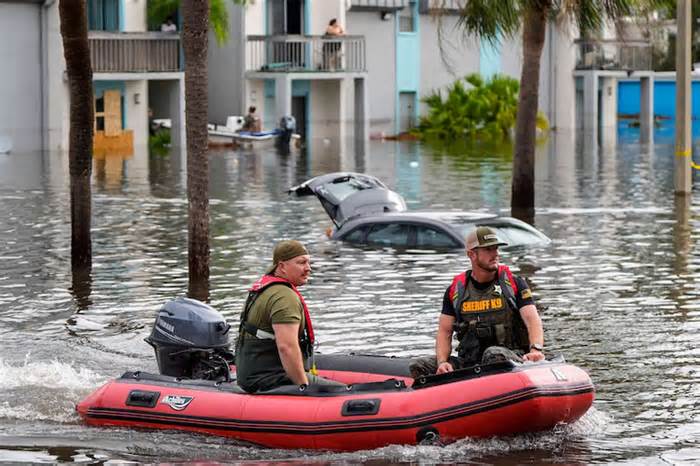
380, 40
226, 62
254, 18
135, 15
459, 56
322, 11
136, 103
56, 92
20, 81
325, 117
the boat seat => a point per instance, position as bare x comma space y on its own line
332, 390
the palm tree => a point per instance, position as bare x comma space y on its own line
195, 42
73, 14
160, 10
490, 20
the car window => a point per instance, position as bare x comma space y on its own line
432, 238
342, 189
389, 234
512, 235
357, 235
517, 236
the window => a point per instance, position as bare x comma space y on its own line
407, 18
517, 236
389, 234
429, 237
103, 15
357, 235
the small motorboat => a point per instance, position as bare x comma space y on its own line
231, 134
379, 405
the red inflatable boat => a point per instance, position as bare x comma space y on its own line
380, 406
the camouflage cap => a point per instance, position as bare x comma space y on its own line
483, 237
285, 250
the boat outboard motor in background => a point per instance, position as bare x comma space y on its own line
190, 340
288, 125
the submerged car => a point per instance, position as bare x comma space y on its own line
365, 211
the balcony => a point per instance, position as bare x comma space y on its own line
613, 55
306, 54
134, 52
378, 5
446, 7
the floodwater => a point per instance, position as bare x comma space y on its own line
618, 290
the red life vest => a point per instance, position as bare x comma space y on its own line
461, 279
268, 280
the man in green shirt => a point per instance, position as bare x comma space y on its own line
275, 341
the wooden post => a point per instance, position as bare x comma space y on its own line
682, 178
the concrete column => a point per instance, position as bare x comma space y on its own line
136, 103
562, 60
176, 111
646, 109
682, 178
608, 111
346, 85
361, 107
283, 97
590, 103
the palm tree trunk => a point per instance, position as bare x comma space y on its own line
73, 14
523, 188
195, 39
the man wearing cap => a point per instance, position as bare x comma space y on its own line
490, 310
275, 340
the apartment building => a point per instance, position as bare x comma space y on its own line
134, 68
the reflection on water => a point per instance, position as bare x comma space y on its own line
618, 289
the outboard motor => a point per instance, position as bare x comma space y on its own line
288, 125
190, 340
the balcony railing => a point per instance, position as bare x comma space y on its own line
613, 55
284, 54
134, 52
378, 5
441, 6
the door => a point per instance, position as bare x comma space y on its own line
286, 17
112, 113
407, 111
299, 114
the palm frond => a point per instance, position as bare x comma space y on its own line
491, 20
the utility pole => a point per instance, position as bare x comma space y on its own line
683, 158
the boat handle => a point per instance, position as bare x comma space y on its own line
362, 407
142, 398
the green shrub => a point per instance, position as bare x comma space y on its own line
485, 109
159, 143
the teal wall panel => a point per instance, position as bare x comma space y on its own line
489, 59
408, 59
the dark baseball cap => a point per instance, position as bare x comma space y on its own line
483, 237
285, 250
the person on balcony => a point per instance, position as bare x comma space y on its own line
168, 26
331, 49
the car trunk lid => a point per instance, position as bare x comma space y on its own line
345, 195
